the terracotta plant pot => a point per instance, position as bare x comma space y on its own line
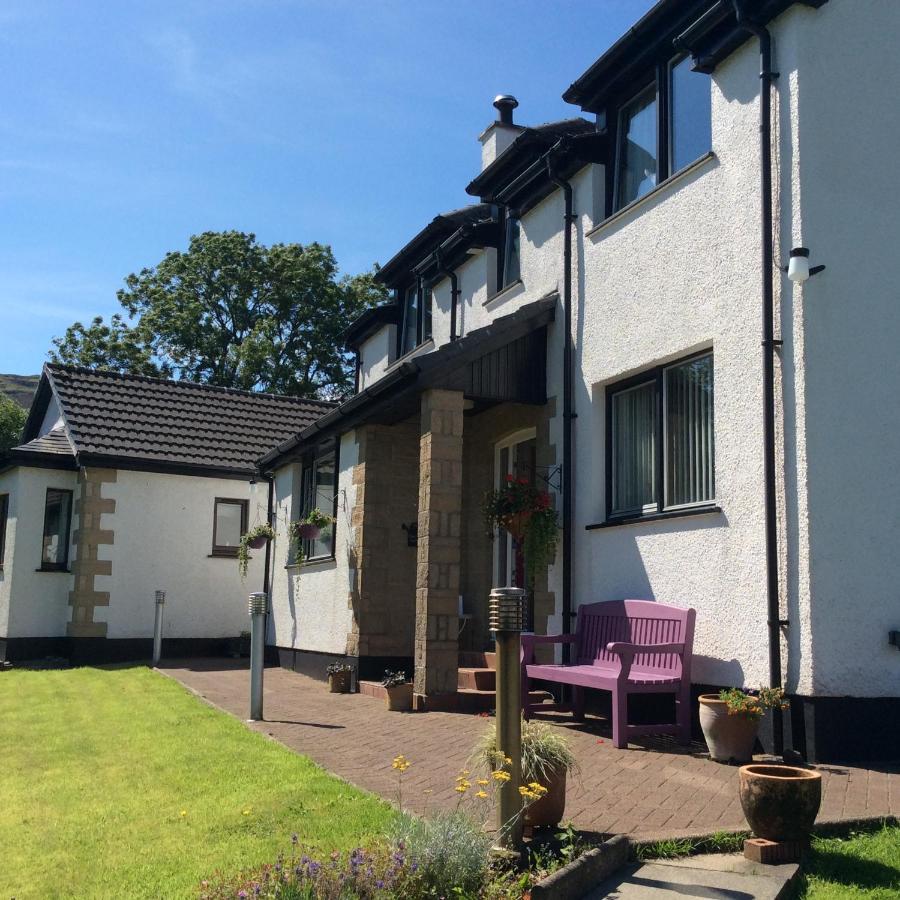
339, 682
780, 802
309, 532
258, 542
548, 811
729, 738
399, 697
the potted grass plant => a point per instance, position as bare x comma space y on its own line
399, 691
730, 720
547, 760
339, 677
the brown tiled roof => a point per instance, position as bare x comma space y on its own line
134, 421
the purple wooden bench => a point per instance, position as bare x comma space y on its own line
626, 647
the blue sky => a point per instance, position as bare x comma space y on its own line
127, 127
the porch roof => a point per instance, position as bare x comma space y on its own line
503, 361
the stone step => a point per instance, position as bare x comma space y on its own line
471, 659
478, 678
472, 700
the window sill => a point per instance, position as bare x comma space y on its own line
223, 555
511, 290
315, 561
58, 569
686, 512
410, 354
651, 194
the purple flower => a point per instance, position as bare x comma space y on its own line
243, 894
414, 867
379, 884
314, 868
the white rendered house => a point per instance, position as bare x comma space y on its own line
632, 368
127, 485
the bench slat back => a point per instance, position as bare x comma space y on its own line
636, 622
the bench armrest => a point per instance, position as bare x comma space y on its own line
530, 641
627, 652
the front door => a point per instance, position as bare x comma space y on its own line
515, 456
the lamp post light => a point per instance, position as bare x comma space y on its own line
506, 618
157, 627
258, 608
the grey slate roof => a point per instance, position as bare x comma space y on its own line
53, 442
132, 421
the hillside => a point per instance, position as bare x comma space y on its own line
19, 387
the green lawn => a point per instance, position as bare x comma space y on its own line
861, 867
119, 783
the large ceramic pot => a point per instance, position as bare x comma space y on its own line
780, 802
548, 811
399, 697
729, 738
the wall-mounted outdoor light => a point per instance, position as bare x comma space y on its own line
798, 269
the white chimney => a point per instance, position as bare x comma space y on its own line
501, 133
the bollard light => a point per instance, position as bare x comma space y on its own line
257, 606
506, 617
157, 627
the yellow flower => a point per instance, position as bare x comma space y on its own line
500, 775
246, 812
460, 789
400, 763
483, 781
537, 788
481, 795
527, 792
183, 813
428, 791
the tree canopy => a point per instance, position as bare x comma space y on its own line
12, 421
232, 312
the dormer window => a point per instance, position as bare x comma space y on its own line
666, 126
416, 326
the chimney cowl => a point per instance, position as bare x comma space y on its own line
505, 104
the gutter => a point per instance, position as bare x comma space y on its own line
454, 289
770, 345
568, 415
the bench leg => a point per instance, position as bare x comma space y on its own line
578, 704
620, 719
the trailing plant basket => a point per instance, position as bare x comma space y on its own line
308, 532
258, 543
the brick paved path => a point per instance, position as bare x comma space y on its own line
655, 789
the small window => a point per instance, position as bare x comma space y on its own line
511, 258
636, 169
229, 523
409, 331
427, 313
661, 439
318, 491
4, 515
691, 114
57, 524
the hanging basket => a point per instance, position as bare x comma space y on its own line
308, 532
517, 524
258, 542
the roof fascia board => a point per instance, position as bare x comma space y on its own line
136, 464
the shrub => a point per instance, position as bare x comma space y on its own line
545, 750
449, 850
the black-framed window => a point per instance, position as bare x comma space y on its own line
664, 125
4, 517
510, 265
416, 317
229, 523
57, 528
661, 439
318, 490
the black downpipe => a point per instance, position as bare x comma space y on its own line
767, 77
270, 519
454, 290
568, 416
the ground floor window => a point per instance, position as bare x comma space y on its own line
318, 490
229, 523
4, 515
57, 524
661, 439
516, 457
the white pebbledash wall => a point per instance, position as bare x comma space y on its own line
680, 272
163, 540
32, 603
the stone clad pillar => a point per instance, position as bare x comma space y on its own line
439, 545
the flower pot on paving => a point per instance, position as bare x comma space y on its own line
780, 802
730, 738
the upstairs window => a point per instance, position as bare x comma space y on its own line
511, 268
57, 524
409, 327
662, 129
229, 523
4, 516
661, 439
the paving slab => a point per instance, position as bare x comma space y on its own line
715, 876
653, 790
